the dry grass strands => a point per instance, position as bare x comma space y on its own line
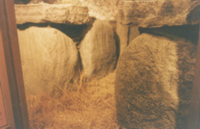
92, 106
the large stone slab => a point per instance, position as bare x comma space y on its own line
49, 59
101, 9
57, 13
21, 1
45, 1
157, 13
154, 82
98, 50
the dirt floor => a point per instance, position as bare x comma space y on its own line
93, 106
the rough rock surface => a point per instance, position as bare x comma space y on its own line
154, 83
133, 33
157, 13
101, 9
98, 50
49, 59
123, 33
44, 13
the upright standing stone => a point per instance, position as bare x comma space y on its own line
154, 82
98, 50
123, 33
126, 34
49, 59
134, 32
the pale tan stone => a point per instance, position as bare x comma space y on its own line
98, 50
57, 13
48, 57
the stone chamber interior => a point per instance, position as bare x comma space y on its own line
108, 64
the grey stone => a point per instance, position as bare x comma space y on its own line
157, 13
153, 82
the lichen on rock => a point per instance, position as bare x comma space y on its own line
154, 81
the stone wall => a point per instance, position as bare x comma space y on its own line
155, 42
63, 41
155, 72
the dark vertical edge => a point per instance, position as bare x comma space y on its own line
17, 61
4, 81
128, 35
195, 97
5, 39
13, 64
